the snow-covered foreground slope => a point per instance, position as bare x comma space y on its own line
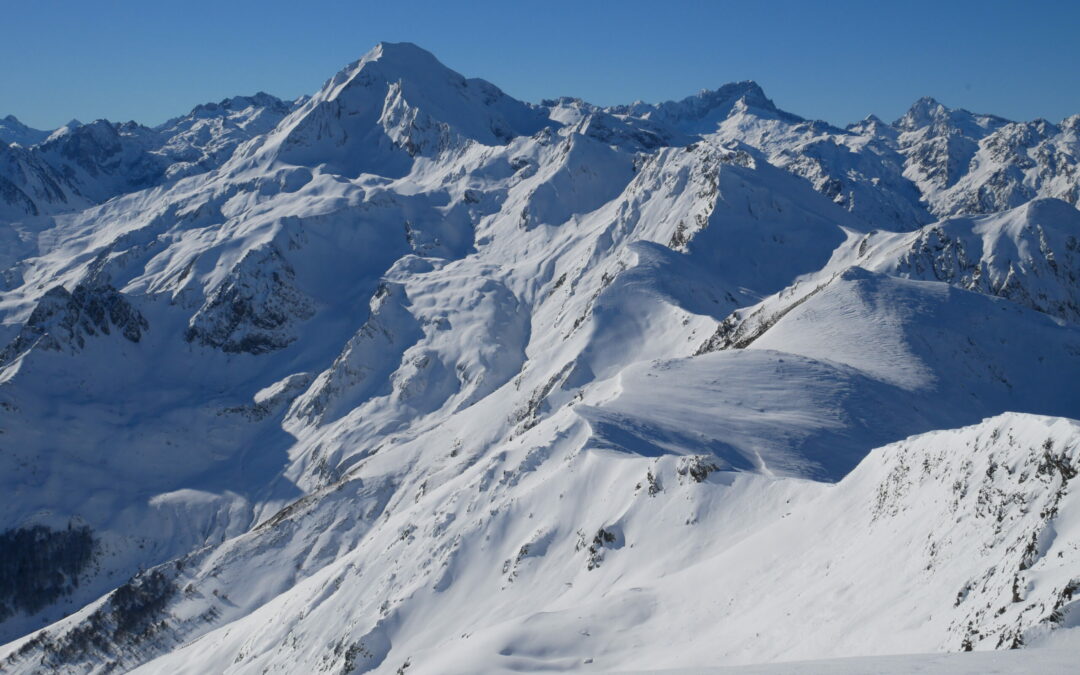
951, 540
974, 663
411, 372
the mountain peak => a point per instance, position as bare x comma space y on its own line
929, 112
234, 103
14, 131
926, 102
704, 110
396, 102
397, 60
922, 113
401, 51
336, 385
747, 92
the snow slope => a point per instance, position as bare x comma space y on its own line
979, 663
943, 541
411, 372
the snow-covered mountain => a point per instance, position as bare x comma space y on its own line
14, 131
79, 164
409, 375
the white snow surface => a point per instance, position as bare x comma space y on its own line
411, 376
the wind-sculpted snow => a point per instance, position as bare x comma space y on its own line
410, 376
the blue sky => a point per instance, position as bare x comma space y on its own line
836, 61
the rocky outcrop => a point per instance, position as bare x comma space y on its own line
254, 309
63, 320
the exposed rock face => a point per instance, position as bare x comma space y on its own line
13, 131
1013, 485
255, 309
1030, 255
64, 320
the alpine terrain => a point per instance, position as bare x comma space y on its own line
410, 376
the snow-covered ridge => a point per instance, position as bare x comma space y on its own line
80, 164
412, 375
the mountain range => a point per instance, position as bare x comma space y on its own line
412, 376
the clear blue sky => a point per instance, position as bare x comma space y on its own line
837, 61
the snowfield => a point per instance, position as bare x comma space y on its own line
409, 376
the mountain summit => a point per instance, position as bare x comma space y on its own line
400, 100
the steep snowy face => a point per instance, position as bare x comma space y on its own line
346, 366
29, 186
396, 103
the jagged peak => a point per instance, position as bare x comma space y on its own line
927, 102
929, 112
402, 92
259, 99
705, 101
67, 129
871, 123
923, 112
746, 90
700, 112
